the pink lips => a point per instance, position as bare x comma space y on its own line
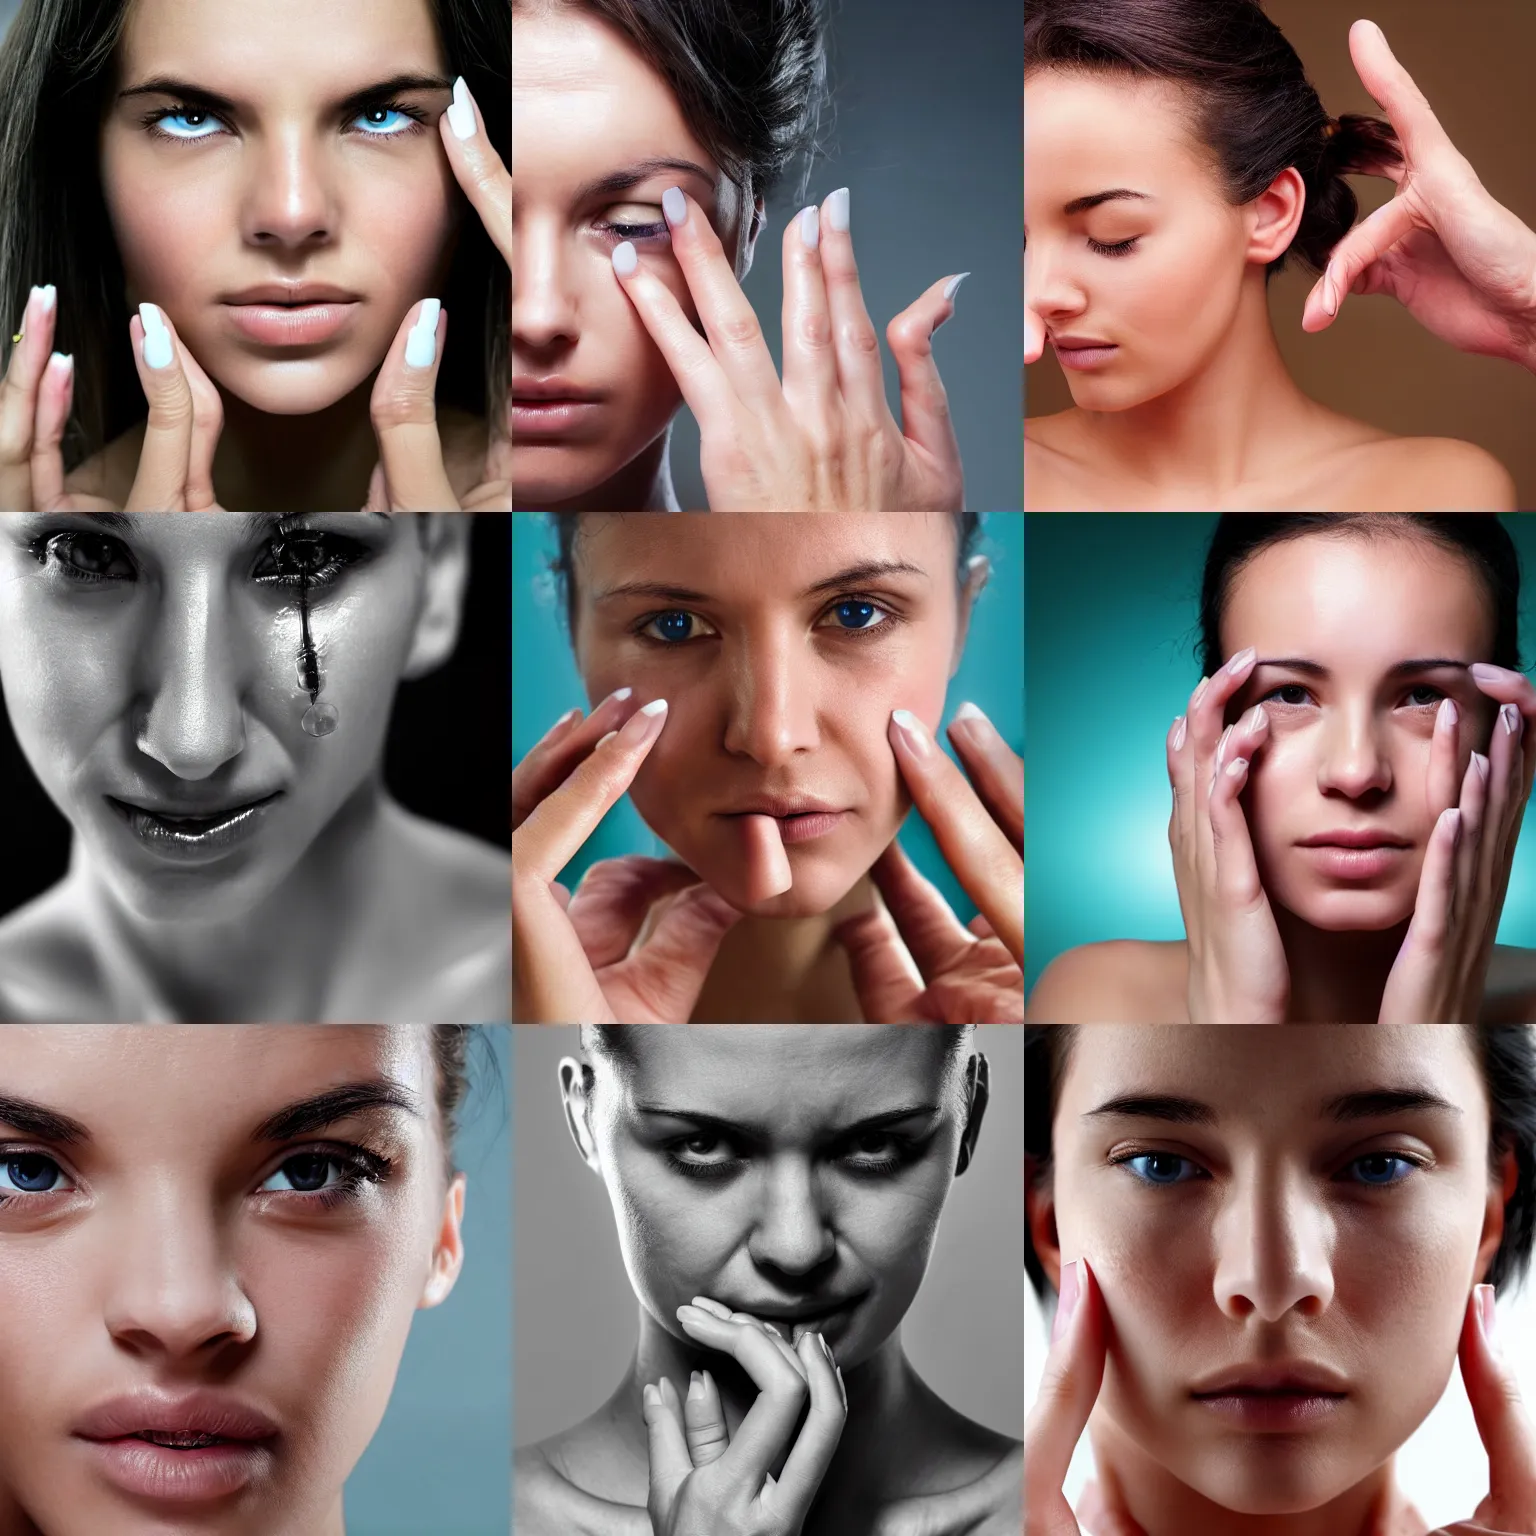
304, 325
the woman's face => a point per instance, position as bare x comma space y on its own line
1348, 631
781, 664
597, 137
249, 1211
156, 666
1253, 1195
1154, 269
300, 180
758, 1167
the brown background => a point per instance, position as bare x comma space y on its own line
1473, 60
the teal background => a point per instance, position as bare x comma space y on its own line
1113, 646
440, 1464
545, 682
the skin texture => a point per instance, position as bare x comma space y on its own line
159, 1261
584, 105
287, 191
180, 678
782, 1228
1286, 1250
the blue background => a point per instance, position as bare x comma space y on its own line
1113, 642
545, 682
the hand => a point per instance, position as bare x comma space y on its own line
1461, 262
411, 475
703, 1483
1237, 966
186, 416
560, 792
1074, 1372
824, 439
1442, 968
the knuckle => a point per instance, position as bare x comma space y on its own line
859, 337
813, 330
741, 329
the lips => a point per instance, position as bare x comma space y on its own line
551, 391
806, 1312
292, 294
192, 817
163, 1420
1354, 837
782, 805
1277, 1378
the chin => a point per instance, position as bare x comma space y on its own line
296, 387
1349, 911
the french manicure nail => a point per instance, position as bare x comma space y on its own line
809, 220
1252, 720
1447, 715
1482, 765
616, 697
952, 287
911, 731
1241, 660
675, 206
1199, 692
695, 1388
644, 723
1179, 733
1511, 718
1221, 746
838, 210
1455, 814
65, 360
967, 711
624, 259
421, 340
461, 114
1066, 1303
1236, 766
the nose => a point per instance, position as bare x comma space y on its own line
290, 200
1353, 761
171, 1288
1050, 290
1272, 1247
792, 1234
771, 702
545, 309
194, 722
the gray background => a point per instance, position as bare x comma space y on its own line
575, 1315
440, 1461
927, 134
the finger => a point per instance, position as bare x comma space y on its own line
1503, 1422
937, 939
1418, 129
813, 1449
1514, 688
610, 905
1237, 873
855, 344
1179, 755
1364, 245
55, 392
1207, 722
403, 408
19, 399
1430, 925
768, 871
670, 968
668, 1440
1074, 1369
1442, 783
562, 895
1034, 336
207, 428
771, 1332
925, 415
550, 760
487, 183
996, 771
704, 1420
989, 868
165, 458
886, 979
810, 364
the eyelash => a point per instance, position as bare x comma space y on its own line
636, 231
343, 553
892, 618
1120, 248
1417, 688
905, 1151
1125, 1158
151, 121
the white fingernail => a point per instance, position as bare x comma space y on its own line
913, 732
1221, 746
618, 694
1178, 735
604, 740
810, 228
624, 259
1482, 765
696, 1389
66, 360
674, 207
421, 343
157, 349
952, 287
655, 707
1511, 718
838, 210
968, 711
461, 114
151, 318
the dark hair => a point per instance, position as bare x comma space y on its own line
1479, 536
1506, 1058
1254, 107
450, 1056
567, 526
749, 75
58, 68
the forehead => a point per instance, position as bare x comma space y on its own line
1372, 600
585, 102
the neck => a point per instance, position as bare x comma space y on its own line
1223, 427
1336, 977
280, 960
1162, 1504
642, 485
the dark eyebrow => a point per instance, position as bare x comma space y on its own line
38, 1120
1095, 199
867, 570
314, 1114
170, 85
1397, 669
640, 170
1363, 1104
738, 1128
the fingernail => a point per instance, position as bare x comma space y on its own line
692, 1314
461, 113
1485, 673
1178, 733
837, 210
67, 359
616, 697
1221, 746
708, 1303
952, 287
1236, 766
651, 1396
421, 342
1199, 691
1242, 659
1445, 716
624, 259
810, 227
1482, 765
695, 1387
1066, 1304
560, 725
1487, 1316
911, 731
675, 206
826, 1349
1455, 814
968, 711
157, 339
1254, 719
1511, 718
602, 741
1330, 297
644, 723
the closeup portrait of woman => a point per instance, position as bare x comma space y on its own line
1177, 157
1284, 1273
214, 1245
206, 701
255, 257
769, 690
1349, 775
656, 141
777, 1195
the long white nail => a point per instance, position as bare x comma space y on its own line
158, 350
421, 343
911, 730
952, 287
810, 228
624, 259
968, 711
461, 114
674, 207
838, 210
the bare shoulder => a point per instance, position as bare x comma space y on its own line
1509, 995
49, 972
1438, 474
1052, 472
1118, 981
548, 1501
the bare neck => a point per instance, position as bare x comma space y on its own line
1336, 977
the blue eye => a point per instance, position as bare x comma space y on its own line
672, 626
1158, 1161
1378, 1158
855, 615
307, 1174
409, 121
28, 1173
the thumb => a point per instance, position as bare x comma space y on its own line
404, 412
161, 482
925, 417
1502, 1420
1074, 1371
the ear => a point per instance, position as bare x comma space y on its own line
1040, 1217
978, 572
746, 244
446, 553
448, 1253
576, 1079
1501, 1191
978, 1092
1275, 216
